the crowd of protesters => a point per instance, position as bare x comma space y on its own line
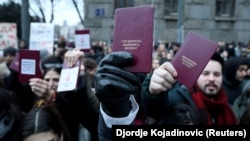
106, 93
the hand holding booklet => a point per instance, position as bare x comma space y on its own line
192, 57
69, 76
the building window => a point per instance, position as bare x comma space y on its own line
171, 7
124, 3
225, 8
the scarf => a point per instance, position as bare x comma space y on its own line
217, 108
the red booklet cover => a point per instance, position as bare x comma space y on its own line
82, 40
15, 63
133, 32
29, 65
192, 57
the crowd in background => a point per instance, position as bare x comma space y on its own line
31, 110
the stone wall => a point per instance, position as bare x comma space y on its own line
198, 16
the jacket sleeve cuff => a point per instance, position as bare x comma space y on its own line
109, 121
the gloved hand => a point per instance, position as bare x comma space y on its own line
114, 85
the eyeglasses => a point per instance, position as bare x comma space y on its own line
51, 65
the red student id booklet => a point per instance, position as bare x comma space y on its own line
82, 40
29, 65
192, 57
133, 32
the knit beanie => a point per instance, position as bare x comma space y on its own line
9, 50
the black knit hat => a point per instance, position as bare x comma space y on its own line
9, 50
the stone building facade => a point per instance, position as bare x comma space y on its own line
219, 20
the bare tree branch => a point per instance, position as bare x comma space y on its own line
33, 11
38, 3
53, 4
78, 12
52, 11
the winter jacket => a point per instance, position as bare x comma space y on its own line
152, 104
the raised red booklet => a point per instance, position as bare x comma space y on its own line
192, 57
69, 77
29, 65
133, 32
82, 40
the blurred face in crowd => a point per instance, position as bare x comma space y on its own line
22, 44
52, 77
241, 72
155, 64
210, 80
44, 136
161, 48
92, 72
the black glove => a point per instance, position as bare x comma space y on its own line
114, 84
